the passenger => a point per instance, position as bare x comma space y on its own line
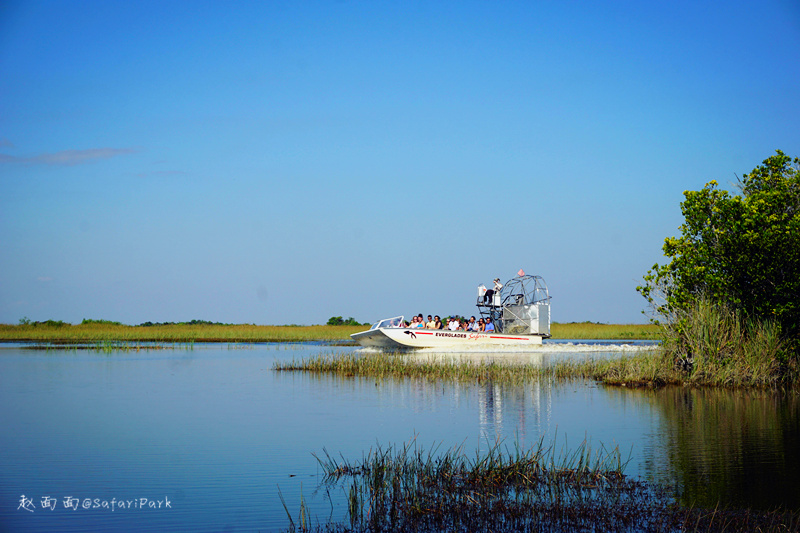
431, 323
481, 325
438, 323
471, 324
489, 325
453, 324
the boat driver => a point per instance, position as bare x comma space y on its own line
488, 298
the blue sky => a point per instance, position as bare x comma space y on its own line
285, 162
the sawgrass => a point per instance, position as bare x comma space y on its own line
717, 344
380, 365
512, 489
592, 330
172, 333
98, 331
650, 368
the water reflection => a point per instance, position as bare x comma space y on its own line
518, 410
216, 429
734, 448
741, 448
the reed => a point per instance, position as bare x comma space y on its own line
542, 488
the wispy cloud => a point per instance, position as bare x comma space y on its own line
68, 157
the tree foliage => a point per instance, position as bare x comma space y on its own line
339, 321
742, 250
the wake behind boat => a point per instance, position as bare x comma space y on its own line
520, 312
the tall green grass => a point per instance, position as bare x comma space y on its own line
104, 330
714, 344
381, 365
650, 368
409, 488
172, 333
592, 330
541, 488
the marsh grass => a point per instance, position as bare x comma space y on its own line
650, 368
592, 330
103, 330
380, 365
543, 488
716, 345
172, 333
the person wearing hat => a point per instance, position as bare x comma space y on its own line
488, 297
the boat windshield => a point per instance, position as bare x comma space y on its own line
389, 323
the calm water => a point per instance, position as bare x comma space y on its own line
215, 435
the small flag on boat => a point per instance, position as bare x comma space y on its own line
521, 273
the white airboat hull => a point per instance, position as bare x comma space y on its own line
404, 338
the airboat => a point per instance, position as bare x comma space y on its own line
520, 312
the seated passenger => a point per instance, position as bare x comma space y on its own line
471, 324
480, 325
437, 323
431, 324
453, 324
489, 325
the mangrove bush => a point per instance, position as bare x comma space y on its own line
740, 252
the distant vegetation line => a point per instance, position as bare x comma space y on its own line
89, 330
